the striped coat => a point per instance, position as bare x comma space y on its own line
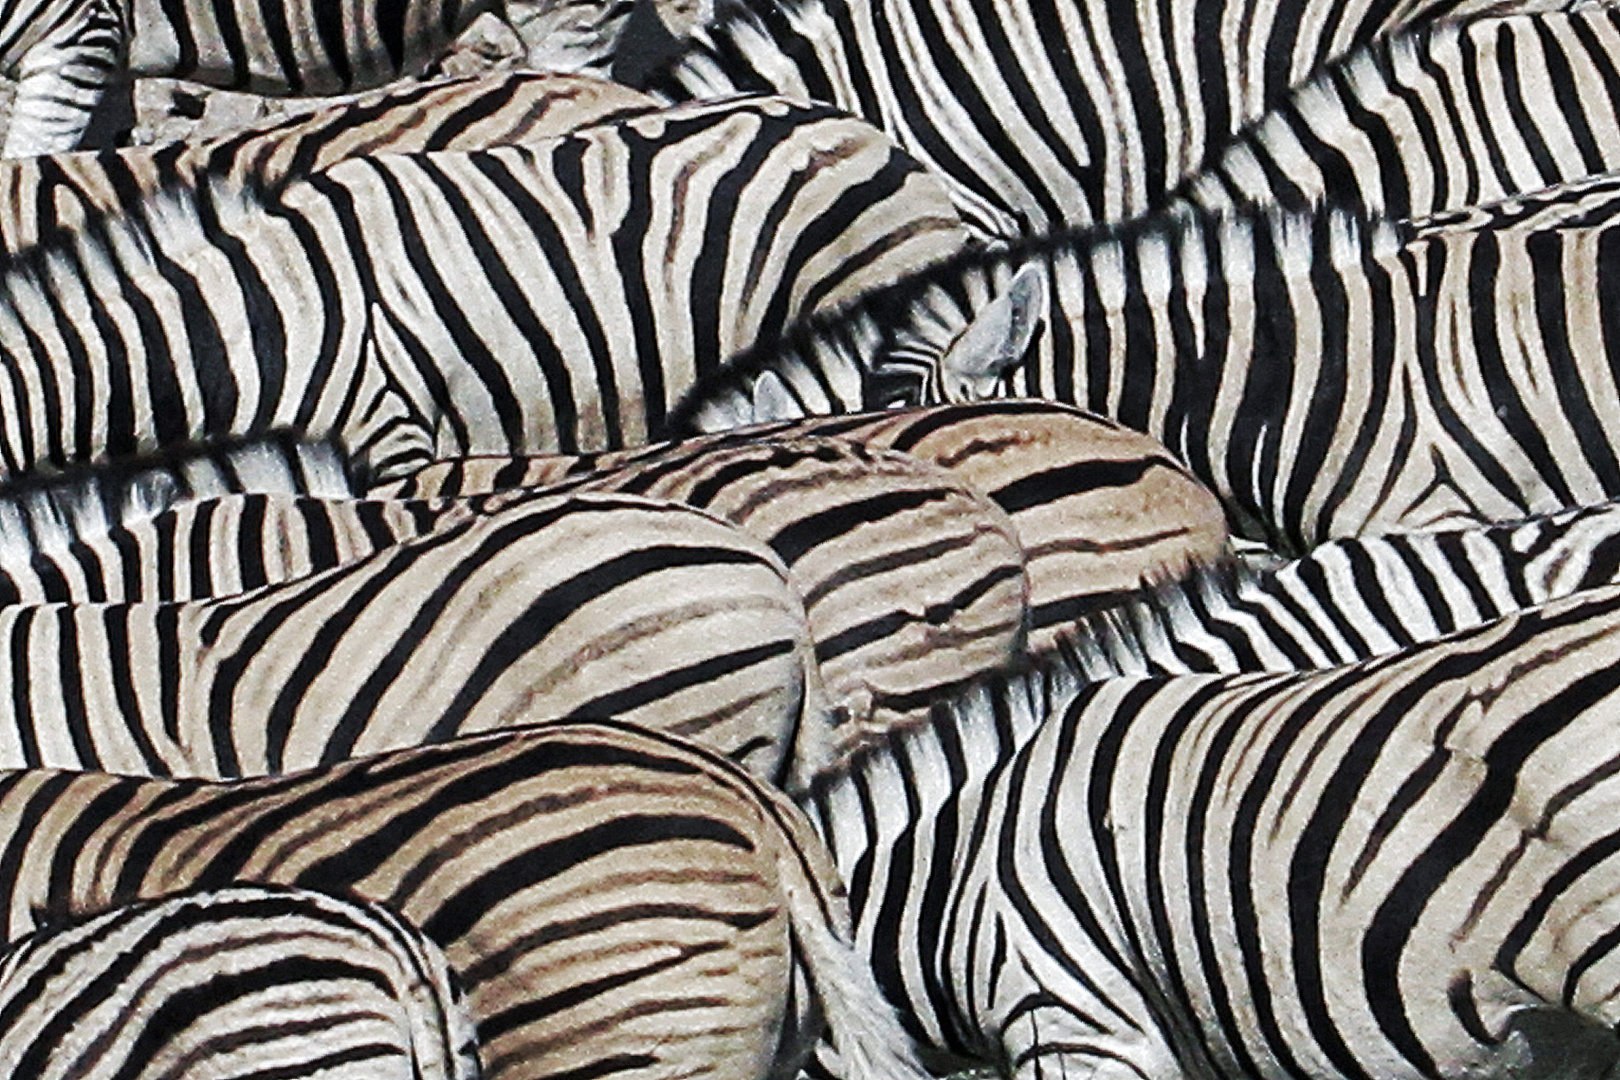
223, 984
561, 296
612, 900
593, 605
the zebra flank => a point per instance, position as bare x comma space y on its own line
1396, 868
611, 899
589, 605
41, 196
1351, 599
1048, 115
515, 300
220, 984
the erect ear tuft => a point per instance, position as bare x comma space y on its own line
997, 338
773, 400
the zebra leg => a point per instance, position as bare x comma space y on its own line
61, 79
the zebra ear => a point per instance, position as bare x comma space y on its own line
996, 339
773, 400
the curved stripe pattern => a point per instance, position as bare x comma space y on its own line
1325, 378
561, 296
1400, 868
613, 901
1045, 115
221, 984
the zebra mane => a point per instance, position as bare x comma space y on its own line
173, 219
50, 513
889, 347
1121, 640
995, 714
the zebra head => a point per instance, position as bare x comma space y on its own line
936, 338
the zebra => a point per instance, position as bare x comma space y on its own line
1324, 376
226, 982
911, 581
553, 297
1350, 599
1398, 868
589, 604
42, 195
1097, 509
65, 54
1043, 116
44, 517
612, 899
1438, 118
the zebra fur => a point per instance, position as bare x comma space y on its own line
51, 193
1097, 509
330, 309
1323, 376
1351, 599
912, 582
42, 518
1042, 116
590, 604
65, 54
611, 898
223, 984
1437, 118
1396, 868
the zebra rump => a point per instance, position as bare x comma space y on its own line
1099, 510
913, 581
223, 984
611, 899
589, 604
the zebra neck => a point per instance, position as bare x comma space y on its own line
894, 823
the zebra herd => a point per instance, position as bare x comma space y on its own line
1028, 537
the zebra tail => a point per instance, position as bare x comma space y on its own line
862, 1026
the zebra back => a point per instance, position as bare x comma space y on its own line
1351, 599
592, 604
217, 984
913, 582
609, 897
376, 301
43, 194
